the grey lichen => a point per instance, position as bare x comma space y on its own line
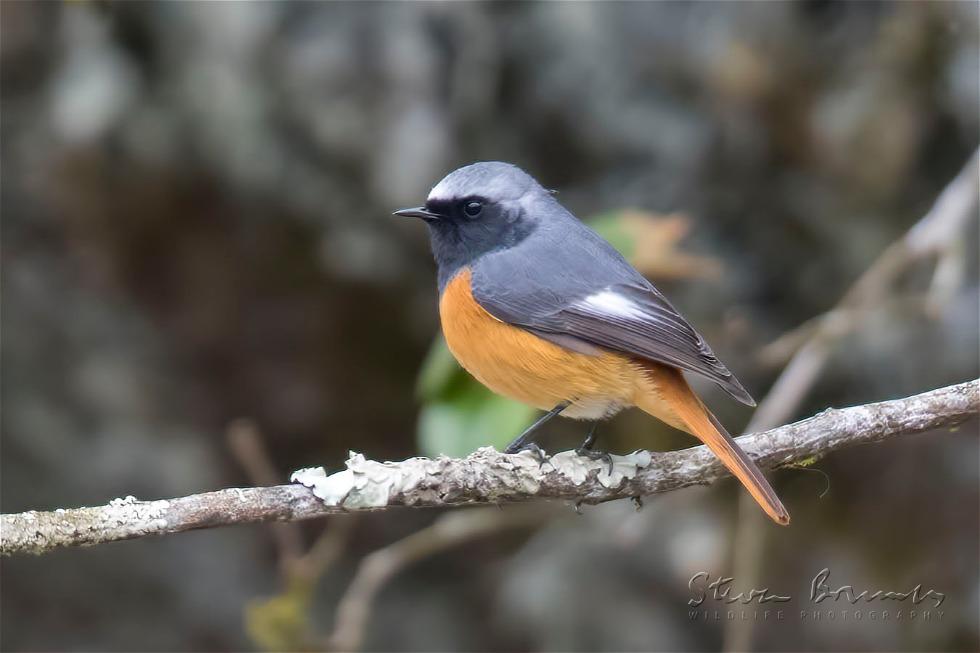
35, 532
366, 483
486, 473
578, 468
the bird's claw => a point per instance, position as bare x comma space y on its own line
535, 450
604, 456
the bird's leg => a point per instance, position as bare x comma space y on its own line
590, 439
585, 449
521, 443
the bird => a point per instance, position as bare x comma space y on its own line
540, 308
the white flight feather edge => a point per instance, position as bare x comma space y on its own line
609, 301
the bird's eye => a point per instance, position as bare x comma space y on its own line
472, 208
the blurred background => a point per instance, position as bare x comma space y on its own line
203, 287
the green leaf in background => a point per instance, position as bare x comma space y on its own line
477, 418
439, 373
614, 227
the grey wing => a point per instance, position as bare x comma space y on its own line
641, 322
600, 302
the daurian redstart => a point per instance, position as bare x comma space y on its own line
539, 308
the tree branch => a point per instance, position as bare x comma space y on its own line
485, 476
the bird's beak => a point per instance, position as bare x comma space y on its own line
419, 212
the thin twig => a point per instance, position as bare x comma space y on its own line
247, 445
377, 568
485, 476
937, 234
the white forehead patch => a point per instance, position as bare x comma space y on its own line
608, 301
495, 188
440, 191
496, 182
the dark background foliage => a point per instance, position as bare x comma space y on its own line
196, 206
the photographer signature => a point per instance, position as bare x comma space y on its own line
720, 589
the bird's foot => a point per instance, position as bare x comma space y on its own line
535, 450
591, 454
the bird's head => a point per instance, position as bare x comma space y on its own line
480, 208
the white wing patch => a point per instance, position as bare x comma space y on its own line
608, 301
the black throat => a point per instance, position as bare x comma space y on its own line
456, 246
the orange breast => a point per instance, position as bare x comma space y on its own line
520, 365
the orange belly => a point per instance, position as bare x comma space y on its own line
520, 365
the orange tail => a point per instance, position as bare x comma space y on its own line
686, 411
